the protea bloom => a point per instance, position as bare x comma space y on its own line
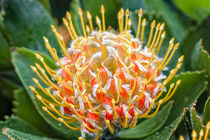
106, 79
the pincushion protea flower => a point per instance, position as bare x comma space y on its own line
106, 79
200, 135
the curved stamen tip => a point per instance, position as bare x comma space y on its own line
172, 85
153, 24
65, 21
201, 132
171, 41
38, 97
88, 15
98, 20
178, 82
181, 58
80, 11
35, 80
33, 68
163, 34
53, 28
144, 22
194, 134
68, 15
52, 106
61, 119
44, 108
102, 9
140, 12
127, 12
32, 88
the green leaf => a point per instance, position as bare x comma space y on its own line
17, 135
192, 86
111, 9
46, 5
195, 121
7, 87
195, 9
22, 59
200, 60
206, 116
4, 53
187, 45
148, 126
175, 27
27, 22
75, 4
19, 124
26, 110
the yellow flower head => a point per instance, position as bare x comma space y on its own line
106, 79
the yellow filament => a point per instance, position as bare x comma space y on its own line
82, 22
55, 53
207, 131
181, 138
161, 42
68, 28
48, 46
94, 131
168, 93
70, 127
154, 38
103, 17
159, 34
126, 19
114, 108
111, 129
43, 100
60, 41
98, 21
118, 90
194, 135
152, 26
89, 104
135, 121
68, 15
174, 90
97, 136
142, 92
155, 112
56, 111
139, 22
90, 20
37, 73
201, 134
130, 95
129, 23
88, 30
46, 77
49, 70
119, 21
167, 53
126, 120
151, 58
122, 18
143, 27
169, 59
148, 110
81, 138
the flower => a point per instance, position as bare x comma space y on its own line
201, 134
106, 79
